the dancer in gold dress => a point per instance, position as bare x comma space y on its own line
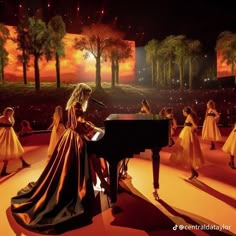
187, 151
210, 130
10, 146
230, 146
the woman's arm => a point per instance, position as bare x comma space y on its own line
217, 115
174, 125
195, 126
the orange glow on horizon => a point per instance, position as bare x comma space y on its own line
74, 67
223, 70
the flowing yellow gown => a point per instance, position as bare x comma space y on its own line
186, 150
210, 130
230, 143
10, 146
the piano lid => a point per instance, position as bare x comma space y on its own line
137, 116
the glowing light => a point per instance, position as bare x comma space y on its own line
223, 69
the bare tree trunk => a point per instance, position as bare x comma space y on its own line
113, 73
36, 73
58, 71
117, 72
1, 71
25, 73
190, 75
24, 64
181, 77
98, 72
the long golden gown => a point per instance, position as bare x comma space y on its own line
230, 143
186, 150
10, 146
210, 130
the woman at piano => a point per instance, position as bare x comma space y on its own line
187, 150
62, 198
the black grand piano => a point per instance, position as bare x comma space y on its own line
129, 134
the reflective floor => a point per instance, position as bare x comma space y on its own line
202, 206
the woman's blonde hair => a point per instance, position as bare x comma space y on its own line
11, 118
78, 96
211, 104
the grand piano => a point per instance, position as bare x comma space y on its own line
129, 134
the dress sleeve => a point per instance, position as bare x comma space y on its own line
84, 128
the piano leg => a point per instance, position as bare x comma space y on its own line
113, 180
155, 170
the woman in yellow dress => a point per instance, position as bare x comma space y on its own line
57, 126
210, 130
187, 151
10, 146
230, 146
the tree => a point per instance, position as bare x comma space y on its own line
57, 31
181, 53
151, 58
96, 39
194, 48
167, 55
118, 51
124, 51
4, 35
38, 36
226, 45
23, 45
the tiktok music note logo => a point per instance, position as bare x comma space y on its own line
175, 227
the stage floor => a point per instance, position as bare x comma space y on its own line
207, 203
